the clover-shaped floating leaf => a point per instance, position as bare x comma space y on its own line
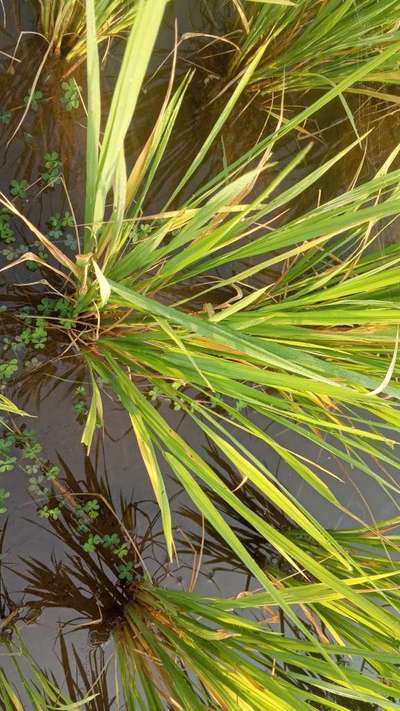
5, 117
70, 97
34, 100
92, 542
19, 188
125, 572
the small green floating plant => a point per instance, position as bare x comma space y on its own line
19, 188
34, 100
70, 98
51, 175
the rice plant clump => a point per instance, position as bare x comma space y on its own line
290, 351
314, 45
193, 652
63, 22
240, 313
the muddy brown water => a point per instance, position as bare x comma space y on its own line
50, 395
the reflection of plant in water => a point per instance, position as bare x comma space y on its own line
8, 609
38, 688
36, 133
84, 678
105, 550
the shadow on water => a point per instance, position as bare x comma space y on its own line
58, 590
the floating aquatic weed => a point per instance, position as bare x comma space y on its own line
6, 232
70, 97
5, 117
34, 100
19, 188
80, 404
53, 169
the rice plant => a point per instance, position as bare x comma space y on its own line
374, 547
314, 349
35, 687
177, 649
186, 651
63, 23
6, 405
314, 45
